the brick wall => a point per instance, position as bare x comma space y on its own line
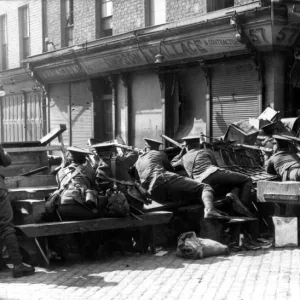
84, 21
10, 8
180, 9
36, 35
128, 15
54, 30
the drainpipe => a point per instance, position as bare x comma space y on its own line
161, 78
112, 82
125, 81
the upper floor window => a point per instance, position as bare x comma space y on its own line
67, 22
213, 5
155, 12
3, 43
104, 18
24, 32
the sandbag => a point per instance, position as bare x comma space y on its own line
191, 247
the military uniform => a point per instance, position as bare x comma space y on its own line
76, 182
201, 165
156, 176
284, 163
7, 231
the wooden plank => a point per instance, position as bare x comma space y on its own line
30, 193
31, 181
57, 228
32, 149
281, 192
54, 133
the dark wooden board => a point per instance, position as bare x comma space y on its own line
54, 133
57, 228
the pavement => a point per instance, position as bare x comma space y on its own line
262, 274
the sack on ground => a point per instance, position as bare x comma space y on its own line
191, 247
117, 205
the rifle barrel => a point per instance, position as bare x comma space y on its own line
255, 148
171, 141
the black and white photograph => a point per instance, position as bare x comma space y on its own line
149, 149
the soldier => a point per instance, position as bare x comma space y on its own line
76, 187
283, 162
157, 176
7, 231
201, 165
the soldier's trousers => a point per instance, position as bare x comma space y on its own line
7, 232
231, 179
180, 189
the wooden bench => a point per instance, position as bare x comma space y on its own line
150, 219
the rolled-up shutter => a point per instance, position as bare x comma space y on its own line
59, 108
82, 113
235, 91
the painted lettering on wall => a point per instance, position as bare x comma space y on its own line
288, 35
171, 51
125, 59
62, 72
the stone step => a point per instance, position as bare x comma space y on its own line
30, 181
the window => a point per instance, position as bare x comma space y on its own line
104, 18
45, 24
213, 5
155, 12
67, 22
3, 43
24, 32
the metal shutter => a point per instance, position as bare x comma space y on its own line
81, 112
59, 108
34, 122
13, 116
235, 89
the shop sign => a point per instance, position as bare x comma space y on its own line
183, 49
62, 72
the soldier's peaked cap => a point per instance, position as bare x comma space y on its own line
191, 140
77, 150
152, 142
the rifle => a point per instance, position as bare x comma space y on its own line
129, 148
255, 148
172, 141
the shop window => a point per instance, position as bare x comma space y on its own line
3, 43
213, 5
24, 32
45, 24
67, 22
104, 18
155, 12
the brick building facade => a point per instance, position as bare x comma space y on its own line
140, 68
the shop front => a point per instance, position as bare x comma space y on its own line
22, 107
174, 80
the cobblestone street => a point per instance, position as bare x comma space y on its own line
263, 274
